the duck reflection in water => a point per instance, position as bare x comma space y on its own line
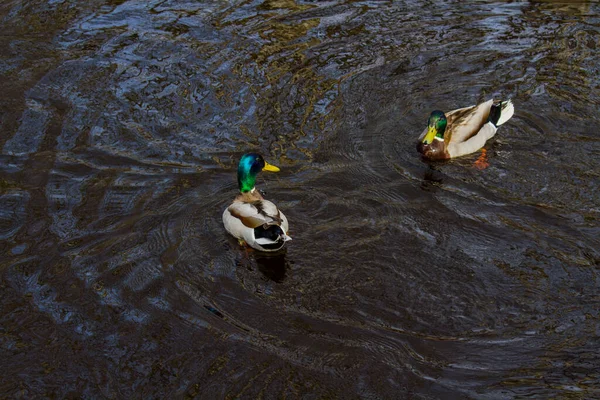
432, 179
272, 265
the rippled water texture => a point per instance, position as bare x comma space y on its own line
121, 126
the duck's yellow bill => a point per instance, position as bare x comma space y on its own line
269, 167
431, 132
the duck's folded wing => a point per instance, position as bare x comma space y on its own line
256, 213
466, 122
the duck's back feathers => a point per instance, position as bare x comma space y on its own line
259, 223
485, 120
464, 123
256, 213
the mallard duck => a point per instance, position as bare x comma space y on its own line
462, 131
250, 218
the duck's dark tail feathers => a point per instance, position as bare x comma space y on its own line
501, 112
270, 237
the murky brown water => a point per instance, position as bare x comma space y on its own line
121, 126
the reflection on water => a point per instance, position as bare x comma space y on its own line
272, 266
432, 179
122, 123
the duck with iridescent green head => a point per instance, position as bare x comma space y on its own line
250, 218
462, 131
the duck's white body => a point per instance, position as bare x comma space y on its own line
257, 222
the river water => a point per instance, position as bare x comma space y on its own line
121, 126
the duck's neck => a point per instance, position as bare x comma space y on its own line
251, 195
246, 179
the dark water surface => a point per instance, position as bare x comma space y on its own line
121, 126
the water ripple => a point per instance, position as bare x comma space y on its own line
124, 121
